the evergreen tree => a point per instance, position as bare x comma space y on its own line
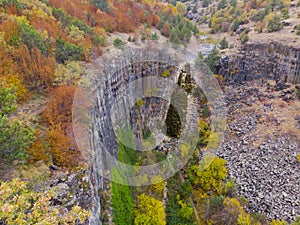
118, 43
15, 137
205, 3
213, 60
223, 43
174, 38
173, 122
222, 4
68, 51
233, 3
101, 4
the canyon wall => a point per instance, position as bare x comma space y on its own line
114, 99
267, 61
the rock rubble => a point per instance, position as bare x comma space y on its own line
265, 167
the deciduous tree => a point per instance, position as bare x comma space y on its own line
149, 211
166, 30
29, 207
210, 178
59, 106
34, 69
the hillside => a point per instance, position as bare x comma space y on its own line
242, 21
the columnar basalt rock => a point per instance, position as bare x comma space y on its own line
268, 61
112, 98
116, 98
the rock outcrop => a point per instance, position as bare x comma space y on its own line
268, 61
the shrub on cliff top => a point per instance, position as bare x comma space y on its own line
213, 60
118, 43
274, 23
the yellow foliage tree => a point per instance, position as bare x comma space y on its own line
20, 205
210, 177
149, 211
278, 222
158, 185
21, 91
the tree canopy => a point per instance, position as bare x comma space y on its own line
149, 211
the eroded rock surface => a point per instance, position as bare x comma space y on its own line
262, 61
261, 147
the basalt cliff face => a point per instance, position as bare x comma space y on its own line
267, 61
117, 91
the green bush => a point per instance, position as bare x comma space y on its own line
67, 51
82, 26
101, 4
235, 25
154, 36
245, 38
222, 4
216, 202
181, 30
118, 43
274, 23
260, 15
213, 60
285, 13
31, 37
223, 43
6, 3
233, 3
62, 16
205, 3
177, 209
15, 137
98, 40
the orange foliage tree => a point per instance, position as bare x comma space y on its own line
10, 28
34, 68
166, 30
61, 147
54, 146
59, 106
47, 24
57, 144
5, 61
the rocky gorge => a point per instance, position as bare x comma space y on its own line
262, 138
